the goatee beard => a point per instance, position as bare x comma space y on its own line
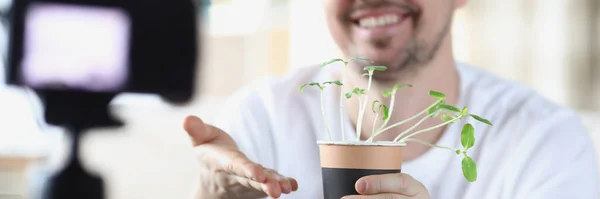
414, 55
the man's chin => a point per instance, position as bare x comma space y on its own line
379, 60
396, 69
391, 77
382, 57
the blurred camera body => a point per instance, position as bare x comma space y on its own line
77, 55
105, 46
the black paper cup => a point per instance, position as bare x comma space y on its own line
343, 163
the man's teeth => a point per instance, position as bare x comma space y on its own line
380, 21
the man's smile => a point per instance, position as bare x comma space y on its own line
380, 22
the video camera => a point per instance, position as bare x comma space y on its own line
77, 55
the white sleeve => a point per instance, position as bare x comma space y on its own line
245, 119
559, 161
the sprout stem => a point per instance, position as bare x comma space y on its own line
390, 112
323, 115
413, 127
428, 129
373, 131
342, 102
406, 120
362, 108
359, 119
431, 145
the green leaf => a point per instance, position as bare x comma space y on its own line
469, 169
432, 110
365, 74
435, 107
359, 91
348, 95
375, 68
356, 91
373, 106
316, 84
446, 118
457, 152
387, 93
464, 111
310, 84
449, 107
302, 87
436, 94
390, 91
398, 86
334, 82
331, 61
481, 119
360, 59
467, 136
386, 111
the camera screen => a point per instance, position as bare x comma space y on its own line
75, 47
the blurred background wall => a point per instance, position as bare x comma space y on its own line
552, 46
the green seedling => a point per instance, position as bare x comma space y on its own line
382, 108
447, 113
346, 63
321, 88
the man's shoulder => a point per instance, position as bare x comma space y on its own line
530, 131
518, 111
490, 92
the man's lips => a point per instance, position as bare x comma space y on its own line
382, 22
380, 17
379, 20
369, 12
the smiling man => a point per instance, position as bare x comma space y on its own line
265, 145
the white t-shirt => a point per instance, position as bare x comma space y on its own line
536, 149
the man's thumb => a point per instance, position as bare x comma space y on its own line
198, 131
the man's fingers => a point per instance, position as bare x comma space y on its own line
241, 166
198, 131
397, 183
269, 188
284, 183
274, 185
378, 196
294, 184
